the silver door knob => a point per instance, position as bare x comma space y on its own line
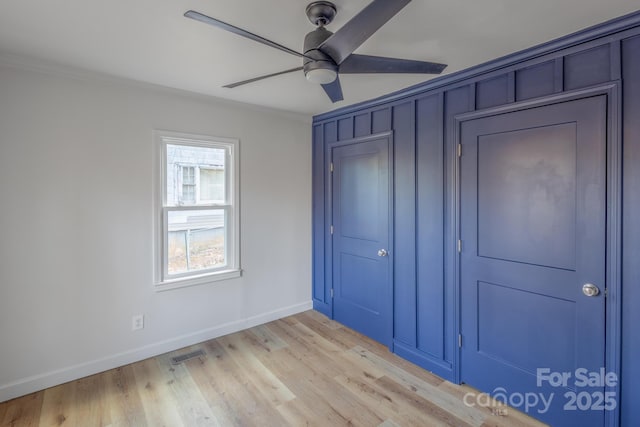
383, 252
590, 290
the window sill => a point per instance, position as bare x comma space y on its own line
184, 282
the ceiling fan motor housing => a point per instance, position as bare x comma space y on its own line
315, 58
321, 13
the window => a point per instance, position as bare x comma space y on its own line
188, 194
197, 209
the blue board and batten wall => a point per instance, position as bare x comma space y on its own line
422, 120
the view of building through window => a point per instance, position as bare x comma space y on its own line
195, 181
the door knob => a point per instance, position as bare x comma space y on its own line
383, 252
590, 290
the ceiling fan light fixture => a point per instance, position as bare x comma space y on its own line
321, 76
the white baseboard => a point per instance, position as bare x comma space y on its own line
40, 382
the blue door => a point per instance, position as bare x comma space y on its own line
361, 188
532, 262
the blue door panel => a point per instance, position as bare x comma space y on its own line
587, 67
630, 410
423, 307
405, 225
527, 321
345, 129
362, 124
533, 231
381, 120
536, 80
531, 192
456, 101
320, 300
492, 92
430, 290
358, 214
361, 197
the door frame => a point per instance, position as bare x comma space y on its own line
613, 278
328, 159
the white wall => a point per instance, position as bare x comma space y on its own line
76, 224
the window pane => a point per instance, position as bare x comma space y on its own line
188, 175
180, 168
196, 240
188, 195
212, 185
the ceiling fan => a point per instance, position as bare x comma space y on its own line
327, 54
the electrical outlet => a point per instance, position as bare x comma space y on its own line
137, 322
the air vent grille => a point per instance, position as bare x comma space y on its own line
179, 359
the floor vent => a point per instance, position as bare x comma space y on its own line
179, 359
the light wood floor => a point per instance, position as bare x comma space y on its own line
300, 371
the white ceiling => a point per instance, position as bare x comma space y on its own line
150, 40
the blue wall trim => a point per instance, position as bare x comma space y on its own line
322, 308
589, 34
436, 366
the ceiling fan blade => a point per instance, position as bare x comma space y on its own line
348, 38
239, 31
255, 79
334, 90
364, 64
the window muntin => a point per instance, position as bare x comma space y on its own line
199, 214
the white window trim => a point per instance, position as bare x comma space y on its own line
232, 244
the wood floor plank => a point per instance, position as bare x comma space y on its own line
310, 379
388, 423
265, 381
335, 408
269, 339
301, 350
325, 354
58, 406
303, 370
497, 413
156, 397
290, 320
122, 398
245, 404
420, 403
334, 336
297, 413
191, 404
207, 377
349, 338
392, 410
311, 384
89, 405
321, 318
424, 388
216, 374
23, 411
341, 361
